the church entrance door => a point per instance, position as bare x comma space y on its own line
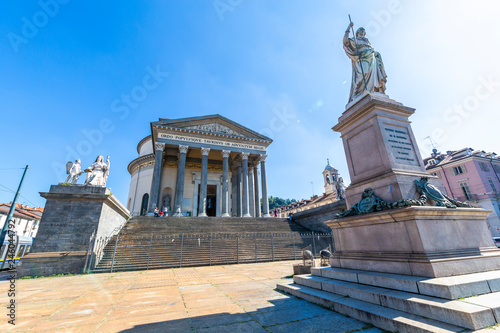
211, 200
211, 208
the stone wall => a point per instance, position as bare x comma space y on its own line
315, 218
71, 215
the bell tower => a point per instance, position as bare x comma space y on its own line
330, 178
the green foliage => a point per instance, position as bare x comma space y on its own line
39, 277
275, 202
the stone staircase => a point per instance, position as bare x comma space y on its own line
155, 242
145, 225
404, 303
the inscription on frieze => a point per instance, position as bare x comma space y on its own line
400, 145
225, 144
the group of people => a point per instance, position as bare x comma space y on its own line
162, 213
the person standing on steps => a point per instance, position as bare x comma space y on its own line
156, 212
165, 211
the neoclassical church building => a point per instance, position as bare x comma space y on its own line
204, 166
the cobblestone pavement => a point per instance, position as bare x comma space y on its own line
232, 298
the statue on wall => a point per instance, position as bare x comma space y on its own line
368, 72
340, 189
97, 173
74, 170
166, 201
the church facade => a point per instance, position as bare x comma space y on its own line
200, 166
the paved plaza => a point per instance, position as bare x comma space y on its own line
233, 298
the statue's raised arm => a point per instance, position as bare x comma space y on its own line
361, 53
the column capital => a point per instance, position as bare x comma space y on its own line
183, 149
244, 156
262, 158
225, 153
205, 151
159, 146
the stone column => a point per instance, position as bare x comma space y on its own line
263, 176
156, 182
238, 184
202, 206
251, 197
256, 191
234, 191
244, 165
179, 185
225, 182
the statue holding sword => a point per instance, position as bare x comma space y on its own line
368, 72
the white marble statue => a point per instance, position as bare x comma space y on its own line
74, 170
373, 67
340, 189
97, 173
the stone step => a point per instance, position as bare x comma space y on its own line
155, 225
453, 312
452, 287
379, 316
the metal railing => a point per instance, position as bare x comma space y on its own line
183, 250
97, 246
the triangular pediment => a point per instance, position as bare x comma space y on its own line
214, 124
215, 127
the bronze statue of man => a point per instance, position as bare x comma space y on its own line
361, 53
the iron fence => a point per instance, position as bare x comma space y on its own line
154, 251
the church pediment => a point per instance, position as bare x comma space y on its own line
215, 124
215, 128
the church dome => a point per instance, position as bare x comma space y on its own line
328, 166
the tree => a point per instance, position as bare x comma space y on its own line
275, 202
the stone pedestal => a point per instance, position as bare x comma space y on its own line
381, 149
419, 241
71, 215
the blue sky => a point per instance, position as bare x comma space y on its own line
277, 67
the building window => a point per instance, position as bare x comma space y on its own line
484, 167
432, 162
458, 170
493, 186
437, 174
466, 190
497, 168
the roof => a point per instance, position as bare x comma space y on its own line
187, 122
22, 211
328, 166
450, 156
315, 201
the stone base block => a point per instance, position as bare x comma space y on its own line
301, 269
385, 301
451, 288
50, 263
418, 241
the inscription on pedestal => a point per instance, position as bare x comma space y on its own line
400, 145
